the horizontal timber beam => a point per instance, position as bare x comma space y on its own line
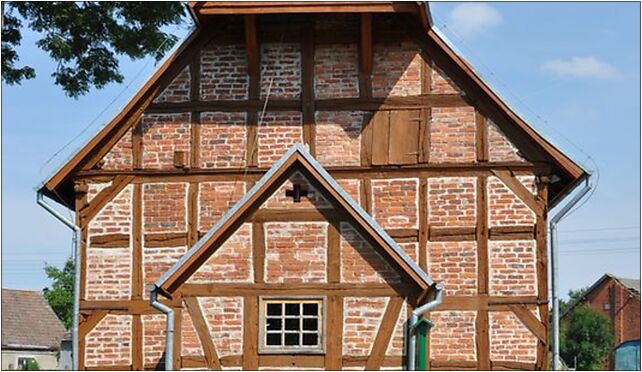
198, 361
290, 289
123, 306
395, 171
484, 302
332, 104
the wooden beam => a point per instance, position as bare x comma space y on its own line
137, 343
159, 240
484, 302
518, 232
250, 333
334, 253
258, 252
192, 213
366, 195
137, 250
505, 365
481, 137
281, 289
423, 224
481, 232
380, 137
202, 330
542, 273
334, 333
532, 201
446, 365
446, 234
483, 341
365, 46
303, 214
252, 45
109, 241
386, 328
137, 145
307, 87
104, 196
530, 321
90, 322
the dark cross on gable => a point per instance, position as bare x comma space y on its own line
297, 192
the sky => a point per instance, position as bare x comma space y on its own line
572, 70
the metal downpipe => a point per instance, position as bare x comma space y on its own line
169, 333
414, 318
76, 305
555, 269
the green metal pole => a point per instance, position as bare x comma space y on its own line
422, 328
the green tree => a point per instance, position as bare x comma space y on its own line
574, 295
84, 38
586, 336
61, 294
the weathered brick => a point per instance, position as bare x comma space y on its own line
295, 252
115, 216
224, 317
442, 83
281, 70
453, 336
512, 268
232, 261
163, 135
361, 320
336, 71
119, 156
452, 201
278, 132
154, 338
454, 264
394, 202
505, 208
108, 273
216, 198
396, 69
452, 135
360, 262
223, 140
177, 90
190, 343
157, 261
94, 188
338, 137
396, 346
510, 340
165, 207
109, 343
351, 187
224, 72
500, 148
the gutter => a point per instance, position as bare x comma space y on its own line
555, 268
169, 330
76, 305
414, 318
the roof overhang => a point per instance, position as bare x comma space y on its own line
297, 158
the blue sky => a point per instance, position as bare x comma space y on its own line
571, 69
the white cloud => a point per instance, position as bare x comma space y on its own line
582, 67
470, 19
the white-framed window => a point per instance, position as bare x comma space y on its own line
291, 325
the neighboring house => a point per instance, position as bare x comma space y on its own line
294, 180
30, 330
619, 300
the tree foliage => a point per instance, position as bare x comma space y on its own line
574, 295
61, 294
586, 337
85, 38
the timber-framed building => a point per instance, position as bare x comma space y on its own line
293, 181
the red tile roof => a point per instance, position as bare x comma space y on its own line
28, 321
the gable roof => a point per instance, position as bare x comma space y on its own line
28, 322
632, 285
60, 186
296, 158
